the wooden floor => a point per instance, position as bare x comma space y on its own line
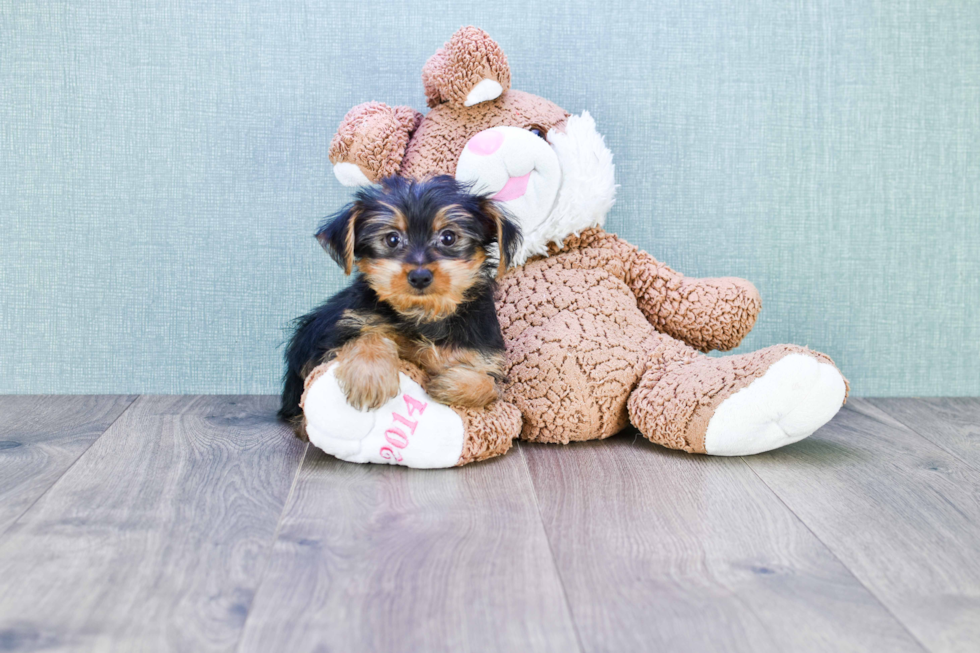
199, 524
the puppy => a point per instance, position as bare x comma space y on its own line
424, 293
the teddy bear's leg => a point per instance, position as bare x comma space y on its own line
737, 405
411, 429
370, 143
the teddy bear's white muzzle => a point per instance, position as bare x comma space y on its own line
516, 168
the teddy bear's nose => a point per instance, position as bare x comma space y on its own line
486, 142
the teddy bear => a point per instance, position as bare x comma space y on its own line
598, 332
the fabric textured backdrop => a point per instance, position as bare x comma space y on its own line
163, 166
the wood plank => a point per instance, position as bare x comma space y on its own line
41, 436
662, 550
952, 424
158, 535
375, 558
900, 512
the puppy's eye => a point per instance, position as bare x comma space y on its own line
447, 238
537, 131
392, 239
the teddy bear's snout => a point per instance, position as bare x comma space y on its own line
515, 167
486, 142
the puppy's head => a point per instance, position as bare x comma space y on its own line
423, 246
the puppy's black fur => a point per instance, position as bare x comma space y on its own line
435, 228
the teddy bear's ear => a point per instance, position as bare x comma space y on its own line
370, 143
469, 69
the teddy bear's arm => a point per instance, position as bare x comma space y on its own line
707, 314
370, 143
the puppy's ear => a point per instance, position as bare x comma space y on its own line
502, 229
337, 235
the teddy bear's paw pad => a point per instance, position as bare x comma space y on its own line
486, 90
796, 396
410, 429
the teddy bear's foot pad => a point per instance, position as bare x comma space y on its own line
796, 396
410, 429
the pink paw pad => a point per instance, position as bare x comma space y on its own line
486, 142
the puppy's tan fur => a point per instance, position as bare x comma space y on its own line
367, 369
461, 377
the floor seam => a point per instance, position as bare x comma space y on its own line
551, 551
73, 463
272, 545
833, 554
911, 428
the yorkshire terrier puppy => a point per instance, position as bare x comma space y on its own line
424, 293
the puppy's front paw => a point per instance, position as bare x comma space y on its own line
368, 384
460, 386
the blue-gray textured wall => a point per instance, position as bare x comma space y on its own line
163, 165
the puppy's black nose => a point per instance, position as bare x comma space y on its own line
420, 278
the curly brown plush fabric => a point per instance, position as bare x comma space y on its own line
469, 57
374, 137
708, 314
490, 431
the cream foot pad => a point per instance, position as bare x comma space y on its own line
795, 397
410, 430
